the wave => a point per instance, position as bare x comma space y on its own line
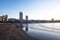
49, 27
46, 30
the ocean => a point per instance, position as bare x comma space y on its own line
43, 31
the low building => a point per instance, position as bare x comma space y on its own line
4, 18
1, 18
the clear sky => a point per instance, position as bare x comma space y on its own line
35, 9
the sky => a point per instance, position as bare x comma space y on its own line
35, 9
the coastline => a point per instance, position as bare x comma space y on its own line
11, 32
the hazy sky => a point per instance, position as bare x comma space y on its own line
35, 9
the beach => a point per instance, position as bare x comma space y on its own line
9, 31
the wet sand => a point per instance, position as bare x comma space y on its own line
11, 32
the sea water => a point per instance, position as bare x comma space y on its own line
43, 31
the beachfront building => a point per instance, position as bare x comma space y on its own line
4, 18
1, 18
21, 16
26, 18
52, 19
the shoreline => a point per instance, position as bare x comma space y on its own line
11, 32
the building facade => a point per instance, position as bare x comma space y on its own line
4, 18
26, 18
21, 16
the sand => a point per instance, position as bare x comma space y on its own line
9, 31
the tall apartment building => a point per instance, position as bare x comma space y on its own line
26, 18
21, 16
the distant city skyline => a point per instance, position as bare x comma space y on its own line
35, 9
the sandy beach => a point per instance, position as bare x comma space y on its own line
11, 32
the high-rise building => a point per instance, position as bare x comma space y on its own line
52, 19
21, 16
26, 18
